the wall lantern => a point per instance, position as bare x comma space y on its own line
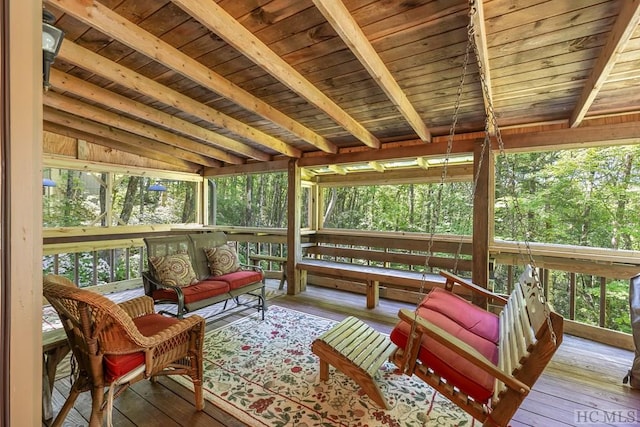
51, 41
46, 182
157, 187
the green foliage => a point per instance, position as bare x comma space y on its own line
252, 200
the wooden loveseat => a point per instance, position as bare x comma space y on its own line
197, 270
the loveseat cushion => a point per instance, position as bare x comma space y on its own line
116, 365
173, 270
223, 259
469, 316
445, 362
239, 278
196, 292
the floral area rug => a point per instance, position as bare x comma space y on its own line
264, 374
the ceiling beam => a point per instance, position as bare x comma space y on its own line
109, 133
92, 62
214, 17
624, 27
82, 109
171, 160
347, 28
103, 19
482, 53
66, 82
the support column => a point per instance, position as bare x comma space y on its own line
296, 279
482, 202
21, 199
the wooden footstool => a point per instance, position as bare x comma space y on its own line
358, 351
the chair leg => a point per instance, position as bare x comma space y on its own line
198, 395
97, 413
68, 404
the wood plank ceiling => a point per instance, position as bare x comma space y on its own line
202, 83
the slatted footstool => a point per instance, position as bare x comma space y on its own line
358, 351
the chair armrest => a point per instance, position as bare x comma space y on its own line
252, 267
452, 280
462, 349
139, 306
165, 337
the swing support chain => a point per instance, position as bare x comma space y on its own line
491, 129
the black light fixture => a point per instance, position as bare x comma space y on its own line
51, 41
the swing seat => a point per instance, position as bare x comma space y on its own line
484, 363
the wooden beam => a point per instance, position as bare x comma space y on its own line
348, 29
171, 160
110, 134
482, 52
377, 166
296, 279
81, 109
482, 160
581, 137
103, 19
214, 17
113, 71
403, 152
66, 82
259, 167
338, 169
455, 173
624, 27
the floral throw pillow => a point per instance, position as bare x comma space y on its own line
174, 270
222, 260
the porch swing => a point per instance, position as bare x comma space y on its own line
484, 363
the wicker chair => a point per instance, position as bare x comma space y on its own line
115, 345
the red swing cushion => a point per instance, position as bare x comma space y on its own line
467, 322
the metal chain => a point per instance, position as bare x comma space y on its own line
452, 131
436, 213
492, 120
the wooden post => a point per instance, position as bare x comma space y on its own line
482, 166
21, 199
296, 280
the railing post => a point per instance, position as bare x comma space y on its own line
603, 301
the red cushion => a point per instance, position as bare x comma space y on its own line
445, 362
116, 365
469, 316
196, 292
240, 278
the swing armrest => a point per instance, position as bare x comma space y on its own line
463, 349
452, 280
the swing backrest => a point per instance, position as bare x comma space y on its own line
529, 333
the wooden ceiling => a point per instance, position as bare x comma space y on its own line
195, 84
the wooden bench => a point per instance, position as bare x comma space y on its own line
372, 276
358, 351
282, 261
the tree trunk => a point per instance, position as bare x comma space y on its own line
132, 190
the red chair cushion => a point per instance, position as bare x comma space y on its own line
445, 362
196, 292
240, 278
116, 366
469, 316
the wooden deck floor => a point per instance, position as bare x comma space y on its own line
581, 386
